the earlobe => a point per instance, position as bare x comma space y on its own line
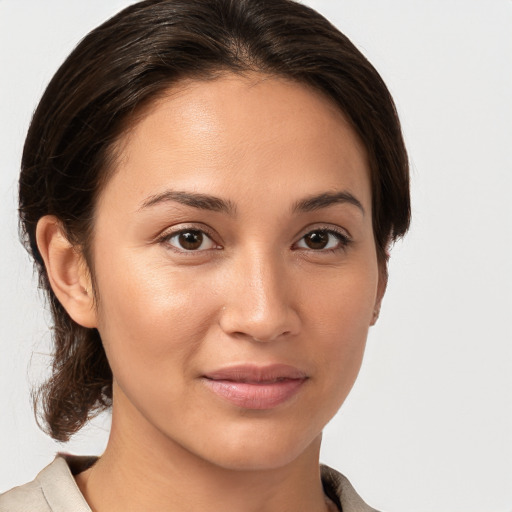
67, 271
375, 315
381, 290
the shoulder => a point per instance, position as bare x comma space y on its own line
28, 497
53, 490
340, 490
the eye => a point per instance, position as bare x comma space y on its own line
323, 239
190, 240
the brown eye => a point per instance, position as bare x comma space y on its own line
317, 240
191, 240
323, 239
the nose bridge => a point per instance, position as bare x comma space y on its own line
259, 304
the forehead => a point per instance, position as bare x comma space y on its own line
234, 132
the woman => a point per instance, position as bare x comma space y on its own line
209, 190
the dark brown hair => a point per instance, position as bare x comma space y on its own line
127, 62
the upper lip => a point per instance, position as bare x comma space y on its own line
257, 374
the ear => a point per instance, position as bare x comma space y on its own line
67, 271
381, 290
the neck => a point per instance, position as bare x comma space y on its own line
141, 470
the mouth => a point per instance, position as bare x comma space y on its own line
254, 387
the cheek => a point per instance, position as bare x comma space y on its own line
340, 312
341, 303
149, 313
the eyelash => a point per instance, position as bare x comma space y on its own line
166, 238
343, 240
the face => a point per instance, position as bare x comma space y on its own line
236, 269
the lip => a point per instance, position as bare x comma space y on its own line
256, 387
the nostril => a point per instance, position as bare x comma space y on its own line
270, 338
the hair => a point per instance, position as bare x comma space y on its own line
126, 63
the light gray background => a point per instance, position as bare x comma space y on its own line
428, 426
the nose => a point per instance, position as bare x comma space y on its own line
259, 302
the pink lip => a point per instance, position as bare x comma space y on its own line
256, 387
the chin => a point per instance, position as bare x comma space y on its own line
260, 453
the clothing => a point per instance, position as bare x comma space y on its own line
55, 490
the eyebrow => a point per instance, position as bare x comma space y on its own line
193, 199
216, 204
326, 199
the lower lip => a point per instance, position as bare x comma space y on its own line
262, 395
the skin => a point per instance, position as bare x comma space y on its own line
254, 292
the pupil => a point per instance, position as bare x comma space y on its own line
191, 240
317, 239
